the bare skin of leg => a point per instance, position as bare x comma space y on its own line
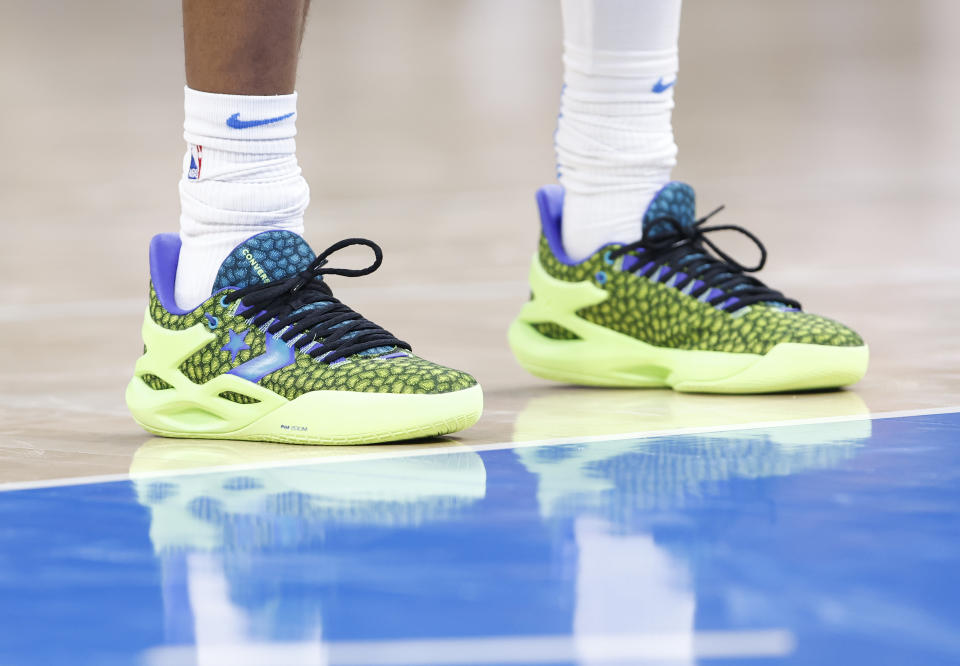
243, 47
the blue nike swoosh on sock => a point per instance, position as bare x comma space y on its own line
660, 86
235, 122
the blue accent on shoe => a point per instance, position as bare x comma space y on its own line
164, 257
236, 344
265, 257
212, 322
278, 355
550, 205
676, 201
601, 277
643, 269
661, 87
235, 122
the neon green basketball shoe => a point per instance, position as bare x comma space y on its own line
273, 356
672, 310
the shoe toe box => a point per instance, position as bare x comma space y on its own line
814, 329
389, 373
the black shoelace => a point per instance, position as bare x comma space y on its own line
341, 331
685, 250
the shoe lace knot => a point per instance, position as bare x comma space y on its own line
302, 311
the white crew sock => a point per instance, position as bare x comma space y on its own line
240, 177
614, 139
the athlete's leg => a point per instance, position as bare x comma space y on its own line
626, 288
614, 139
243, 47
240, 173
243, 338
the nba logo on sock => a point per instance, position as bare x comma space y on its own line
196, 160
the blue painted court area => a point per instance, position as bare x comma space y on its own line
833, 543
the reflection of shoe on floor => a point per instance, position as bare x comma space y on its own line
622, 478
671, 310
272, 355
585, 412
260, 484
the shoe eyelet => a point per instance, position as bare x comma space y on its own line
223, 302
601, 277
608, 260
212, 322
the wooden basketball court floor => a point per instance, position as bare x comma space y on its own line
829, 129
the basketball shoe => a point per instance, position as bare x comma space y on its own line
272, 355
673, 310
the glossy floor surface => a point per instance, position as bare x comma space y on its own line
825, 543
829, 129
570, 524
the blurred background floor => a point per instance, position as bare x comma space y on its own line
829, 129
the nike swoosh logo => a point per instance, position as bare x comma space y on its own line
235, 122
660, 86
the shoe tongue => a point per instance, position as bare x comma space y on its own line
676, 201
266, 257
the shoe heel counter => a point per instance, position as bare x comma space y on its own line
544, 256
148, 317
550, 206
154, 307
147, 326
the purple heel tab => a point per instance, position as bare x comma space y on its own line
164, 256
550, 203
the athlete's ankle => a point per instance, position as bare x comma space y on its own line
240, 178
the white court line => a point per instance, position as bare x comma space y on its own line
637, 648
400, 453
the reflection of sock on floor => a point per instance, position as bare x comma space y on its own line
240, 177
614, 138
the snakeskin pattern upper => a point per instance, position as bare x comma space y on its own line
664, 316
268, 256
365, 373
